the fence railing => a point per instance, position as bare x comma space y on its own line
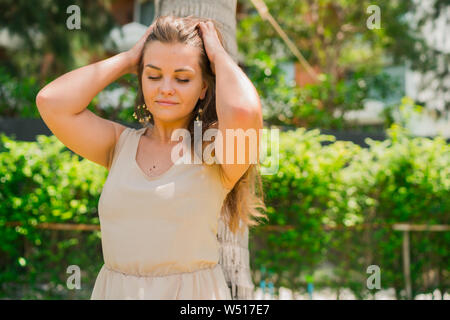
406, 229
403, 227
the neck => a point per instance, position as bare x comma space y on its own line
162, 130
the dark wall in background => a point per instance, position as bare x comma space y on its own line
27, 130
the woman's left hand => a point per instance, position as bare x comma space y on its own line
211, 42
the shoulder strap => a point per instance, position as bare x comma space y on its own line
121, 142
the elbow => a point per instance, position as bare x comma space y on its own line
41, 99
250, 116
251, 112
248, 109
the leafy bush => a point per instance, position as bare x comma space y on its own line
41, 182
320, 105
341, 200
18, 96
328, 205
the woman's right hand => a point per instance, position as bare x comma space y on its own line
134, 53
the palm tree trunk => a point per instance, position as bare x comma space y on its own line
222, 11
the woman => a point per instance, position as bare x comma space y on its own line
159, 215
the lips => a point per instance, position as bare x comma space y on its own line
166, 102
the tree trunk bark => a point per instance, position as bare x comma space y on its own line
222, 11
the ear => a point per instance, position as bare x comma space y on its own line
204, 89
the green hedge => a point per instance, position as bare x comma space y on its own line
44, 182
322, 195
341, 201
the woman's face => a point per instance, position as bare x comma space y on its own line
171, 72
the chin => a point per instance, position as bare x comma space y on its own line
169, 116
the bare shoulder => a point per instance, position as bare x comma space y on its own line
85, 133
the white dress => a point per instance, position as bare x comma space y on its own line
159, 235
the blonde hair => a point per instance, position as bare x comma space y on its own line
243, 201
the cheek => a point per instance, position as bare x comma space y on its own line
149, 86
188, 93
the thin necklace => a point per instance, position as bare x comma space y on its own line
150, 169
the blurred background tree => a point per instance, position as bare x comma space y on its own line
45, 46
336, 41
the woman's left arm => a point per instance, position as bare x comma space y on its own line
238, 109
236, 97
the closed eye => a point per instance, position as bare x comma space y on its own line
180, 80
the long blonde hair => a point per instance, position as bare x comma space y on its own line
243, 201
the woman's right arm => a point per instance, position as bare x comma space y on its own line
72, 92
63, 103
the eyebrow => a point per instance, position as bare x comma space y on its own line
178, 70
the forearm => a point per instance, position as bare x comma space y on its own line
72, 92
235, 92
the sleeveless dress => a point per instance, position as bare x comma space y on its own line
159, 234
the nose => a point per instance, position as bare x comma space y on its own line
167, 88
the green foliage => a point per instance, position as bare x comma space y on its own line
302, 194
341, 201
18, 96
42, 182
323, 195
334, 34
320, 105
334, 38
323, 104
46, 41
401, 114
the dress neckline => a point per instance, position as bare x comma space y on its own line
140, 133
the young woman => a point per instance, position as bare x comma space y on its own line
159, 216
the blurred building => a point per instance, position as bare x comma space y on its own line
434, 119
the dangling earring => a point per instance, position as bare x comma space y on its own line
199, 114
145, 119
